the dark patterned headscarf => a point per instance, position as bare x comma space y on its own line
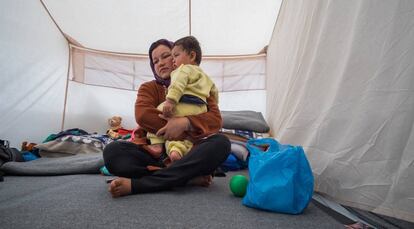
165, 82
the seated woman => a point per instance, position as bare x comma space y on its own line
135, 165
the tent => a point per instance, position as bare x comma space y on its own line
335, 77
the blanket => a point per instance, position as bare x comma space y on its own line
77, 164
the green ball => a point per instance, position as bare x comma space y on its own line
238, 185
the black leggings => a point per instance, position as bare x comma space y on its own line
126, 159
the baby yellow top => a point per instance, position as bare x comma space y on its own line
191, 80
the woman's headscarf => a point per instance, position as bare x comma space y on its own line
165, 82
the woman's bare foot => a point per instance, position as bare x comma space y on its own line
203, 181
120, 187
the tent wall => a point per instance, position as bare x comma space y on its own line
230, 73
33, 66
343, 87
89, 107
103, 84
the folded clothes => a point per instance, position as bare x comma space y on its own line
245, 134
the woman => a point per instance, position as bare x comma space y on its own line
135, 166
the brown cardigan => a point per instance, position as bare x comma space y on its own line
151, 94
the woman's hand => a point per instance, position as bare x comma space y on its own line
175, 127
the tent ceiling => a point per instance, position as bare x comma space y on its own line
223, 27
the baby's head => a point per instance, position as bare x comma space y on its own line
186, 51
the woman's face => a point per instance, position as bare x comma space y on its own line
163, 61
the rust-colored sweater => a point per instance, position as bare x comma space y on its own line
151, 94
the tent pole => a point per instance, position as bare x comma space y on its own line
66, 90
189, 17
69, 57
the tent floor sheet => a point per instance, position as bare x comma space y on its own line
82, 201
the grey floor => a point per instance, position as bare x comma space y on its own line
82, 201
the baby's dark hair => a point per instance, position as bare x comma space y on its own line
189, 44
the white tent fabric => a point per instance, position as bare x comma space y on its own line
342, 76
33, 65
129, 26
237, 73
338, 77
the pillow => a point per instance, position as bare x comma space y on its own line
245, 120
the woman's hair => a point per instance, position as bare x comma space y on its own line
153, 46
189, 44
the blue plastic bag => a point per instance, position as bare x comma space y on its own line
281, 178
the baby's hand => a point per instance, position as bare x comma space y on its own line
168, 109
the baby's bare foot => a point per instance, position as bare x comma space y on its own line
203, 181
175, 156
120, 187
154, 150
